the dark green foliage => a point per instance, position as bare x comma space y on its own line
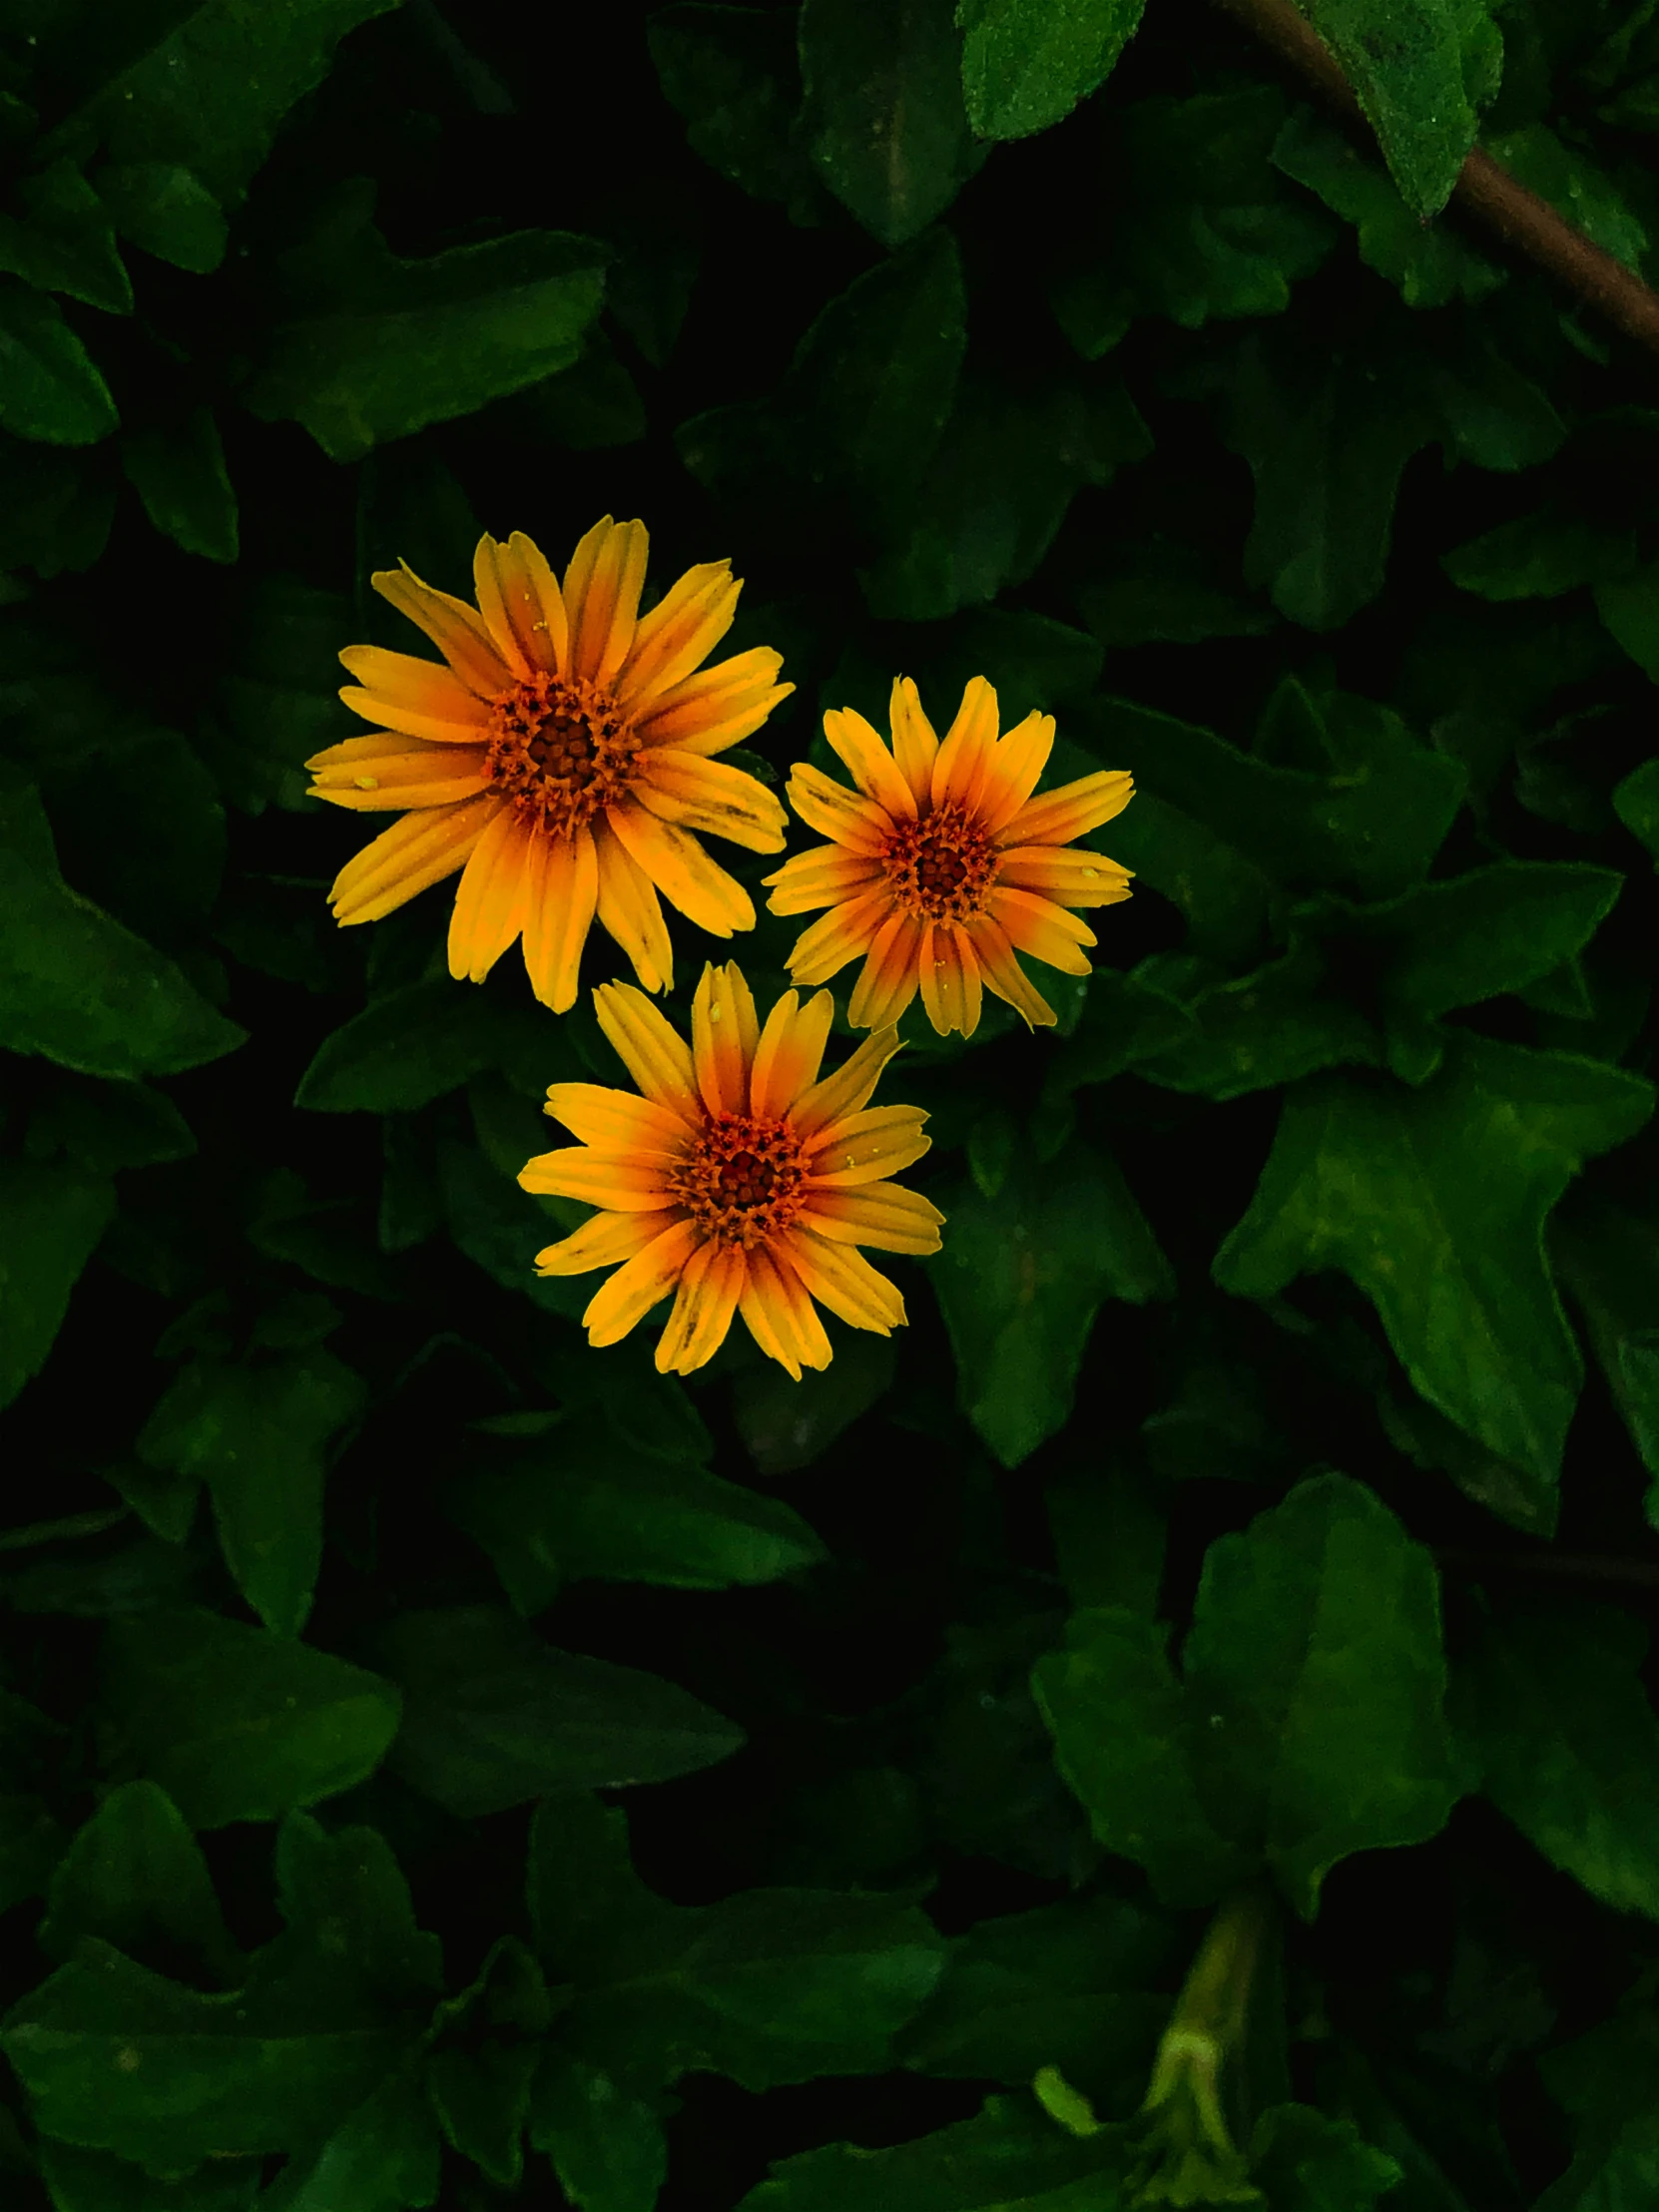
1174, 1722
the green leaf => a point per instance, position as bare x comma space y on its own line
494, 1717
1629, 610
50, 1219
1552, 1704
415, 1044
93, 2181
1166, 593
733, 73
1422, 69
1541, 556
1020, 1280
883, 111
134, 1876
56, 506
1570, 181
785, 1424
1309, 1723
1636, 802
1266, 1028
1026, 64
373, 347
168, 211
482, 2100
570, 1506
104, 1127
65, 243
1307, 2162
1431, 262
138, 823
179, 473
606, 2145
1608, 1258
75, 986
257, 1436
1433, 1202
49, 387
236, 1723
386, 2156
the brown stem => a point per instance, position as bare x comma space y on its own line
1484, 190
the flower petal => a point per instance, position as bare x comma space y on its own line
965, 756
602, 597
391, 769
639, 1285
1036, 925
655, 1054
602, 1242
950, 976
789, 1053
725, 1034
891, 973
519, 599
561, 891
871, 766
834, 811
709, 795
1017, 760
884, 1215
716, 707
840, 1278
1056, 817
493, 607
456, 628
821, 876
1005, 975
781, 1315
631, 910
425, 698
683, 872
616, 1121
618, 1180
489, 900
847, 1090
865, 1148
679, 633
419, 849
708, 1297
915, 746
1073, 876
844, 934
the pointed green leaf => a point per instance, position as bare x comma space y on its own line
51, 1220
1027, 63
49, 387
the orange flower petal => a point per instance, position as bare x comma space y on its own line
825, 947
416, 851
561, 890
495, 609
709, 795
630, 910
842, 1279
655, 1055
789, 1053
489, 900
422, 698
708, 1297
1056, 817
871, 766
834, 811
456, 628
602, 597
891, 973
847, 1090
822, 877
1003, 975
884, 1215
683, 872
1036, 925
1017, 760
616, 1121
639, 1285
679, 633
950, 976
1073, 876
716, 707
520, 601
387, 770
603, 1242
781, 1315
725, 1034
618, 1180
866, 1146
915, 746
965, 756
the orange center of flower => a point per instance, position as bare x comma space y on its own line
941, 866
742, 1181
559, 751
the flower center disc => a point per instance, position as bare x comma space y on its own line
941, 866
742, 1180
560, 751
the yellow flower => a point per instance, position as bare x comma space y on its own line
944, 866
561, 756
739, 1179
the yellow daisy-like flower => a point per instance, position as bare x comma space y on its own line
561, 754
943, 867
740, 1179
